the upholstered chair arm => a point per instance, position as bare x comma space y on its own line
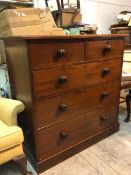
9, 110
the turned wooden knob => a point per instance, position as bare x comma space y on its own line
105, 71
62, 79
62, 107
103, 118
63, 134
61, 53
107, 48
104, 94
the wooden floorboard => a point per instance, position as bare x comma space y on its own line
97, 162
73, 166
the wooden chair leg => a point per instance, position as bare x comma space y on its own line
21, 161
128, 103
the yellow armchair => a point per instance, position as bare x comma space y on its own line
11, 136
9, 109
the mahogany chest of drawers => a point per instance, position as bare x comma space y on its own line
70, 86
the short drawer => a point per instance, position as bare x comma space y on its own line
70, 105
104, 49
55, 81
53, 54
52, 140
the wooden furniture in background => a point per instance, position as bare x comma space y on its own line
124, 30
70, 86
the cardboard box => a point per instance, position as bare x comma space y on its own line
13, 18
47, 19
57, 31
28, 22
32, 31
2, 52
67, 18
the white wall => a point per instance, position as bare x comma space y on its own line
103, 12
100, 12
120, 2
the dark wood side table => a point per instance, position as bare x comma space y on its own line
123, 30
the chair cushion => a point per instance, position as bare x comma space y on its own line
10, 154
10, 136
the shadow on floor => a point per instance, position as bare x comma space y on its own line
10, 168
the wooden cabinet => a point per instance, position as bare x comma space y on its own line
123, 30
70, 86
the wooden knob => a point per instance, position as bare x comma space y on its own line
105, 71
63, 134
104, 94
61, 53
62, 107
62, 79
103, 118
107, 48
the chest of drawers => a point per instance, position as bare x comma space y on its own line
70, 86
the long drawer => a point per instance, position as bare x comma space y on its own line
55, 81
52, 54
106, 49
52, 140
70, 105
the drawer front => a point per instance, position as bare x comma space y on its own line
67, 106
55, 81
52, 140
97, 50
53, 54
